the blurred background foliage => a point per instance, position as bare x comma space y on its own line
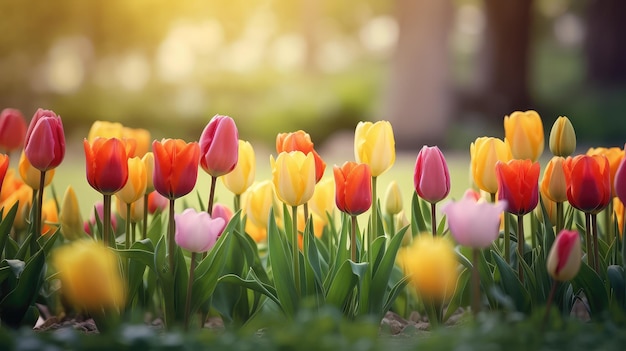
443, 71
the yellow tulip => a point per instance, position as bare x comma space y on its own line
135, 186
431, 264
553, 184
141, 138
374, 145
484, 153
524, 133
257, 233
136, 210
257, 202
614, 155
242, 176
562, 137
148, 162
89, 275
293, 175
322, 204
31, 175
49, 216
23, 195
71, 220
618, 210
393, 199
105, 129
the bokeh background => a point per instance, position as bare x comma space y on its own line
443, 71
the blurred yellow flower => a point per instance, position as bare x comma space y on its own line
141, 138
31, 175
393, 199
242, 176
105, 129
72, 226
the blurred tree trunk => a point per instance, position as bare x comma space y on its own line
605, 46
504, 66
418, 101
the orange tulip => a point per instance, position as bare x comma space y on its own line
107, 164
175, 167
353, 194
141, 138
4, 166
588, 182
50, 217
618, 210
518, 184
614, 155
300, 141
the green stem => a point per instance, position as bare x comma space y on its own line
475, 282
373, 233
171, 231
609, 229
433, 218
520, 247
533, 231
144, 227
237, 202
594, 233
294, 248
33, 239
127, 243
209, 208
106, 221
353, 239
549, 303
192, 269
493, 197
507, 238
559, 217
590, 256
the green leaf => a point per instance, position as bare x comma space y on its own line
209, 270
462, 293
15, 304
282, 269
511, 284
342, 287
418, 223
253, 284
381, 275
5, 227
595, 291
616, 276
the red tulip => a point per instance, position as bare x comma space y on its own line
300, 141
157, 202
518, 184
219, 146
12, 129
565, 256
45, 140
431, 177
588, 182
4, 166
353, 193
107, 164
175, 167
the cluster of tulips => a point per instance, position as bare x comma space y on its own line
283, 243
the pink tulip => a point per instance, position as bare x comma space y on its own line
474, 223
12, 129
565, 256
431, 177
219, 146
157, 202
197, 231
45, 140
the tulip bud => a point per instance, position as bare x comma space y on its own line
353, 194
518, 184
148, 163
300, 141
12, 130
219, 144
175, 167
588, 182
32, 176
293, 175
562, 137
431, 177
257, 202
374, 145
322, 203
242, 176
45, 140
70, 217
197, 231
157, 202
524, 133
565, 256
107, 165
553, 183
393, 199
484, 153
135, 186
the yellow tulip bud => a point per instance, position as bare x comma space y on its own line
393, 199
553, 184
135, 186
374, 145
242, 176
31, 175
71, 220
293, 175
49, 217
322, 203
89, 275
141, 137
105, 129
148, 162
618, 210
524, 133
485, 152
431, 264
562, 137
257, 202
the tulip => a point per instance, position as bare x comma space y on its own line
175, 167
374, 145
257, 202
431, 177
353, 193
300, 141
550, 207
107, 165
565, 256
524, 134
148, 163
70, 217
393, 199
136, 210
21, 194
219, 145
135, 186
4, 166
12, 130
157, 202
141, 139
197, 231
614, 155
50, 217
45, 140
322, 203
32, 176
485, 152
89, 275
242, 176
223, 212
518, 184
588, 182
472, 222
618, 211
562, 137
553, 183
105, 129
293, 176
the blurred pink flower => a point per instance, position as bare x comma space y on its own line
197, 231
